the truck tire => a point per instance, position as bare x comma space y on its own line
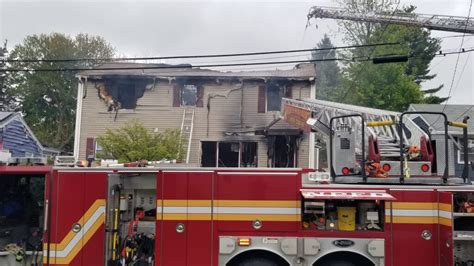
343, 259
337, 263
259, 262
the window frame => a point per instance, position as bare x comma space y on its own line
280, 91
285, 90
241, 145
182, 98
459, 151
178, 92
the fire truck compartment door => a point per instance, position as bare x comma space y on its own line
324, 194
445, 228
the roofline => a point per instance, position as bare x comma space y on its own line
17, 115
308, 79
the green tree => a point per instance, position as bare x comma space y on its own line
48, 99
7, 101
327, 72
133, 142
367, 84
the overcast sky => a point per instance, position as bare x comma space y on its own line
161, 28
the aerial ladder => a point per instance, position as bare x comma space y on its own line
371, 142
380, 124
429, 21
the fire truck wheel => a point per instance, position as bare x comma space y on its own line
337, 263
257, 258
342, 258
259, 262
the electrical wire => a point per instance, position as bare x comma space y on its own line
456, 65
371, 54
465, 112
364, 59
172, 66
194, 56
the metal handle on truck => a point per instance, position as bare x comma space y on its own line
45, 221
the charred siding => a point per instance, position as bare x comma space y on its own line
221, 112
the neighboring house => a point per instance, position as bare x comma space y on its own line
232, 117
435, 126
17, 138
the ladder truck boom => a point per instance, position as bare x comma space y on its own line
429, 21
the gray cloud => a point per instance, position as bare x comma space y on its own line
151, 28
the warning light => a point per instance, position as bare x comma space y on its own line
244, 242
425, 168
386, 167
345, 171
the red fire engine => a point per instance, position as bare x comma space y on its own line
224, 216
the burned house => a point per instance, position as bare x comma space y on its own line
227, 119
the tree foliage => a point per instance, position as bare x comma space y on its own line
389, 86
327, 72
7, 101
48, 99
133, 142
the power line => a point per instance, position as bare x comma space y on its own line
371, 53
465, 112
456, 65
195, 56
173, 66
363, 59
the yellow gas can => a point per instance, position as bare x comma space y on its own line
346, 218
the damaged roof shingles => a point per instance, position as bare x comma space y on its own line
299, 72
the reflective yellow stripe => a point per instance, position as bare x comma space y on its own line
263, 217
415, 205
436, 218
445, 207
258, 203
87, 235
415, 220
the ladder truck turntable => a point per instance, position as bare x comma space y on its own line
415, 213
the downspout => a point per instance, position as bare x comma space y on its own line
312, 136
242, 106
77, 129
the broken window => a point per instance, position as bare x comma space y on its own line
249, 154
282, 151
228, 154
209, 154
188, 95
121, 93
274, 95
270, 95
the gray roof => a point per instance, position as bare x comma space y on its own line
454, 112
299, 72
5, 115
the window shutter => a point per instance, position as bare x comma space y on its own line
288, 92
200, 97
261, 99
176, 96
90, 147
